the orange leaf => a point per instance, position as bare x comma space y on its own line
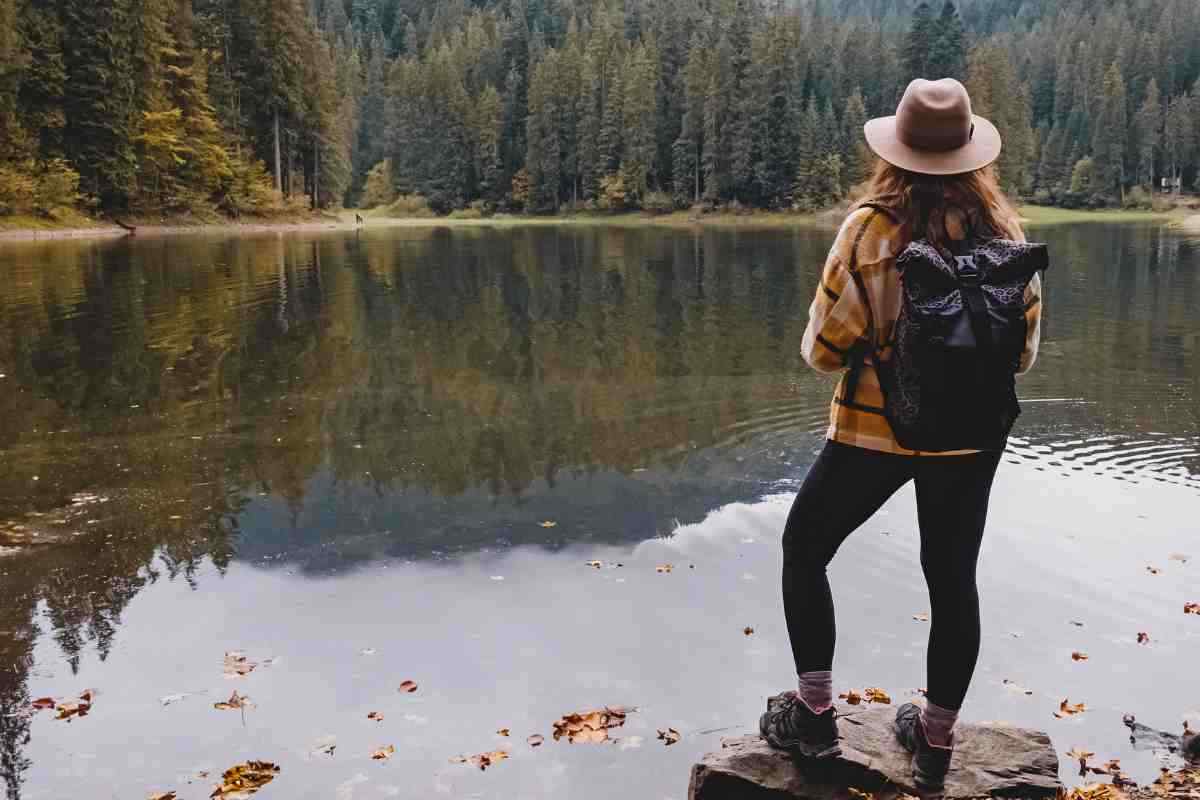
383, 753
1067, 709
852, 697
377, 716
1078, 656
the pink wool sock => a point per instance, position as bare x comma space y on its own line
816, 690
938, 723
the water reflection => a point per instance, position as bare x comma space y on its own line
306, 405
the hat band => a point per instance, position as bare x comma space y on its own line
935, 139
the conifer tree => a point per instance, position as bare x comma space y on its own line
948, 56
918, 45
856, 157
1109, 140
1148, 134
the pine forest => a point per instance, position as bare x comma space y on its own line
166, 108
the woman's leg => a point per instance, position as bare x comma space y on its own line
952, 504
844, 487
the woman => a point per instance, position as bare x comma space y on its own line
934, 181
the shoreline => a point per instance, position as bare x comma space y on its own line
1032, 215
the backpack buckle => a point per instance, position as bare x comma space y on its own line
967, 269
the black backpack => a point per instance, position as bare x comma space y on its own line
949, 383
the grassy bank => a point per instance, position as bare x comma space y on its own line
1052, 215
80, 226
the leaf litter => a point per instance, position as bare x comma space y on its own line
66, 709
243, 780
1068, 709
869, 695
482, 760
590, 727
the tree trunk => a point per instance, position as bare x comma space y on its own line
316, 174
278, 164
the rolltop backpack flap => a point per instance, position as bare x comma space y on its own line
1006, 268
932, 297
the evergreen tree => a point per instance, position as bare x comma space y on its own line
1109, 140
856, 156
1148, 134
948, 56
639, 108
918, 45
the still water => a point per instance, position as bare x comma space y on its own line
388, 456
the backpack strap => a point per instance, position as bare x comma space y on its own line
858, 353
969, 283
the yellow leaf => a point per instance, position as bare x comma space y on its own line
162, 796
860, 793
1067, 709
503, 731
873, 695
596, 564
852, 697
243, 780
235, 702
383, 753
549, 523
589, 727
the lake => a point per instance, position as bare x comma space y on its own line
361, 459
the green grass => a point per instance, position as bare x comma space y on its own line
65, 219
1050, 215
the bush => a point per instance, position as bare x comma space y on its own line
466, 213
1138, 197
17, 189
613, 192
658, 203
408, 205
379, 189
251, 191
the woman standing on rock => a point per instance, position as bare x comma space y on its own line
933, 189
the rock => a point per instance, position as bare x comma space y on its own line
989, 761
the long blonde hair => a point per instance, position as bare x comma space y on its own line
921, 201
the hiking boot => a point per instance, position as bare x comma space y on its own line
790, 725
929, 763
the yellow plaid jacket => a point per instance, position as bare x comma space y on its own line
868, 243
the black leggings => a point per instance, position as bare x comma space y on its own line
845, 486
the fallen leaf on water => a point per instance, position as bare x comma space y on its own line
1077, 623
235, 702
1143, 637
1078, 656
535, 740
669, 737
408, 686
1152, 570
237, 665
589, 727
852, 697
1067, 709
874, 695
162, 796
377, 716
549, 523
664, 568
79, 707
483, 760
1082, 756
1191, 608
503, 731
383, 753
44, 703
243, 780
922, 617
596, 564
748, 630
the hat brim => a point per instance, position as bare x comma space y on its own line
983, 149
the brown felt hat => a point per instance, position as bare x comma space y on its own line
934, 132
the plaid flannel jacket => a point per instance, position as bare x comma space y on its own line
868, 243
